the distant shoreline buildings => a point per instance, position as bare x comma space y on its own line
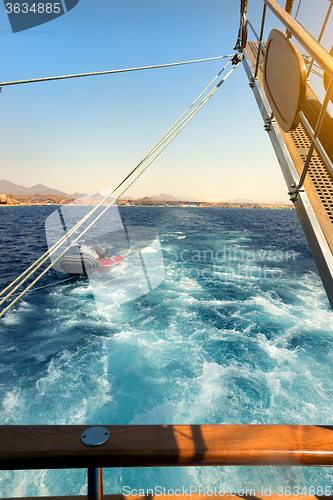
42, 195
7, 199
49, 200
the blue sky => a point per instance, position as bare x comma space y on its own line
85, 134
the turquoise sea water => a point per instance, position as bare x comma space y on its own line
240, 331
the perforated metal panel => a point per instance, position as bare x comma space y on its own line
317, 171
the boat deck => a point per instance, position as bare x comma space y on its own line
318, 182
314, 204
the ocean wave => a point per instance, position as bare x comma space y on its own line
214, 343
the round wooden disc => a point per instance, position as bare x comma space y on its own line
284, 79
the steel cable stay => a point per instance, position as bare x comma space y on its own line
109, 72
50, 284
166, 140
51, 251
180, 127
56, 246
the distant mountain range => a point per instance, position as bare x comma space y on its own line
240, 200
7, 187
169, 197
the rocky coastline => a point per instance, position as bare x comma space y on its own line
49, 200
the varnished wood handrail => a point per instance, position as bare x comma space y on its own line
60, 447
304, 38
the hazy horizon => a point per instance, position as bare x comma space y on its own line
151, 196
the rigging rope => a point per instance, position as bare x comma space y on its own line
80, 75
243, 27
51, 284
289, 6
167, 138
298, 7
50, 252
39, 262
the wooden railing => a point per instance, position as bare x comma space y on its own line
60, 447
320, 55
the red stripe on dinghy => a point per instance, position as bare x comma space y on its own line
109, 263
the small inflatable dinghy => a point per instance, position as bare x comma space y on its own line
85, 264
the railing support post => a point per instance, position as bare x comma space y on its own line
95, 484
95, 436
260, 40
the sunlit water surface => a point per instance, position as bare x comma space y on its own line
240, 331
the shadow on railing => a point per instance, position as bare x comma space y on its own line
60, 447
